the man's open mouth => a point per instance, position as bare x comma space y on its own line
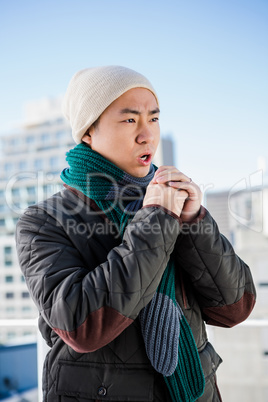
145, 157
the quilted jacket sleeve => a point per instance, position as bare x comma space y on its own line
89, 307
222, 281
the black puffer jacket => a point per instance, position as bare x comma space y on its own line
89, 288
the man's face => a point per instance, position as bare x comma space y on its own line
128, 132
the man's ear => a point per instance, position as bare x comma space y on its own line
87, 136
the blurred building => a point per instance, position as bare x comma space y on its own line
31, 160
18, 371
242, 216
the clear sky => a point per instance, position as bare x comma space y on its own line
207, 59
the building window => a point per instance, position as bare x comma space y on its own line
54, 162
25, 295
15, 192
2, 222
8, 167
31, 190
13, 142
38, 164
49, 189
8, 250
26, 308
9, 279
60, 135
3, 207
8, 256
22, 165
45, 138
10, 309
29, 140
27, 333
15, 221
9, 295
29, 203
11, 335
22, 279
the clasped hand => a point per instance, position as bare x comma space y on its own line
174, 191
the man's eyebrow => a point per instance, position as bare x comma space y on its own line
132, 111
155, 111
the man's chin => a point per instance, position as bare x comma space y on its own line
142, 172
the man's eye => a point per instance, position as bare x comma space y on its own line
155, 119
130, 121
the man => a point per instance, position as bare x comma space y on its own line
124, 264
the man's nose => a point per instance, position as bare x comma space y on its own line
145, 134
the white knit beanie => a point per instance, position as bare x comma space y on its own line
92, 90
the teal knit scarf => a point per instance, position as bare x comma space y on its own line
168, 338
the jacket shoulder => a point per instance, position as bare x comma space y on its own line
57, 209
